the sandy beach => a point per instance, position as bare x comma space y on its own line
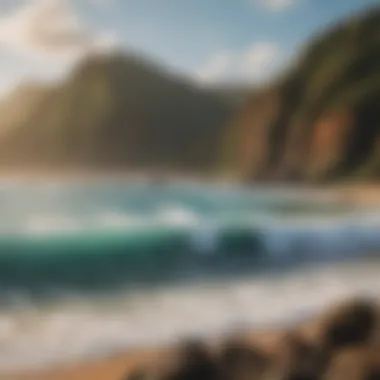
118, 366
113, 368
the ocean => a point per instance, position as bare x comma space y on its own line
89, 268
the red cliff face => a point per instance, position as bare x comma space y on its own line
274, 145
329, 142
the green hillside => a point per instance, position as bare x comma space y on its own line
321, 120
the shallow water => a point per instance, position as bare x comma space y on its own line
87, 268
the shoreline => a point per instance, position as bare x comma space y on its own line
116, 366
365, 194
367, 187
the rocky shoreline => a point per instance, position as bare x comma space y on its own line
341, 343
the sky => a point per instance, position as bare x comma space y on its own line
209, 41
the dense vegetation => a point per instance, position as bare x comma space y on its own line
320, 121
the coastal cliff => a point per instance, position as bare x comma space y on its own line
321, 120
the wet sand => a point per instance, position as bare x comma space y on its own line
118, 366
113, 368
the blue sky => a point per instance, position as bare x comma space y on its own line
209, 40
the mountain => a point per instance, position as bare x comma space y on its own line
114, 111
17, 108
234, 94
321, 120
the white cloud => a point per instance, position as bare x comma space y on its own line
253, 64
106, 42
50, 28
218, 66
274, 5
258, 58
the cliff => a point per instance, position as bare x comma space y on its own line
321, 120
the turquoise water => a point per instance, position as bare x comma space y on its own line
92, 267
96, 235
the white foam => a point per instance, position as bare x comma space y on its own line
176, 215
282, 238
51, 224
116, 219
74, 331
